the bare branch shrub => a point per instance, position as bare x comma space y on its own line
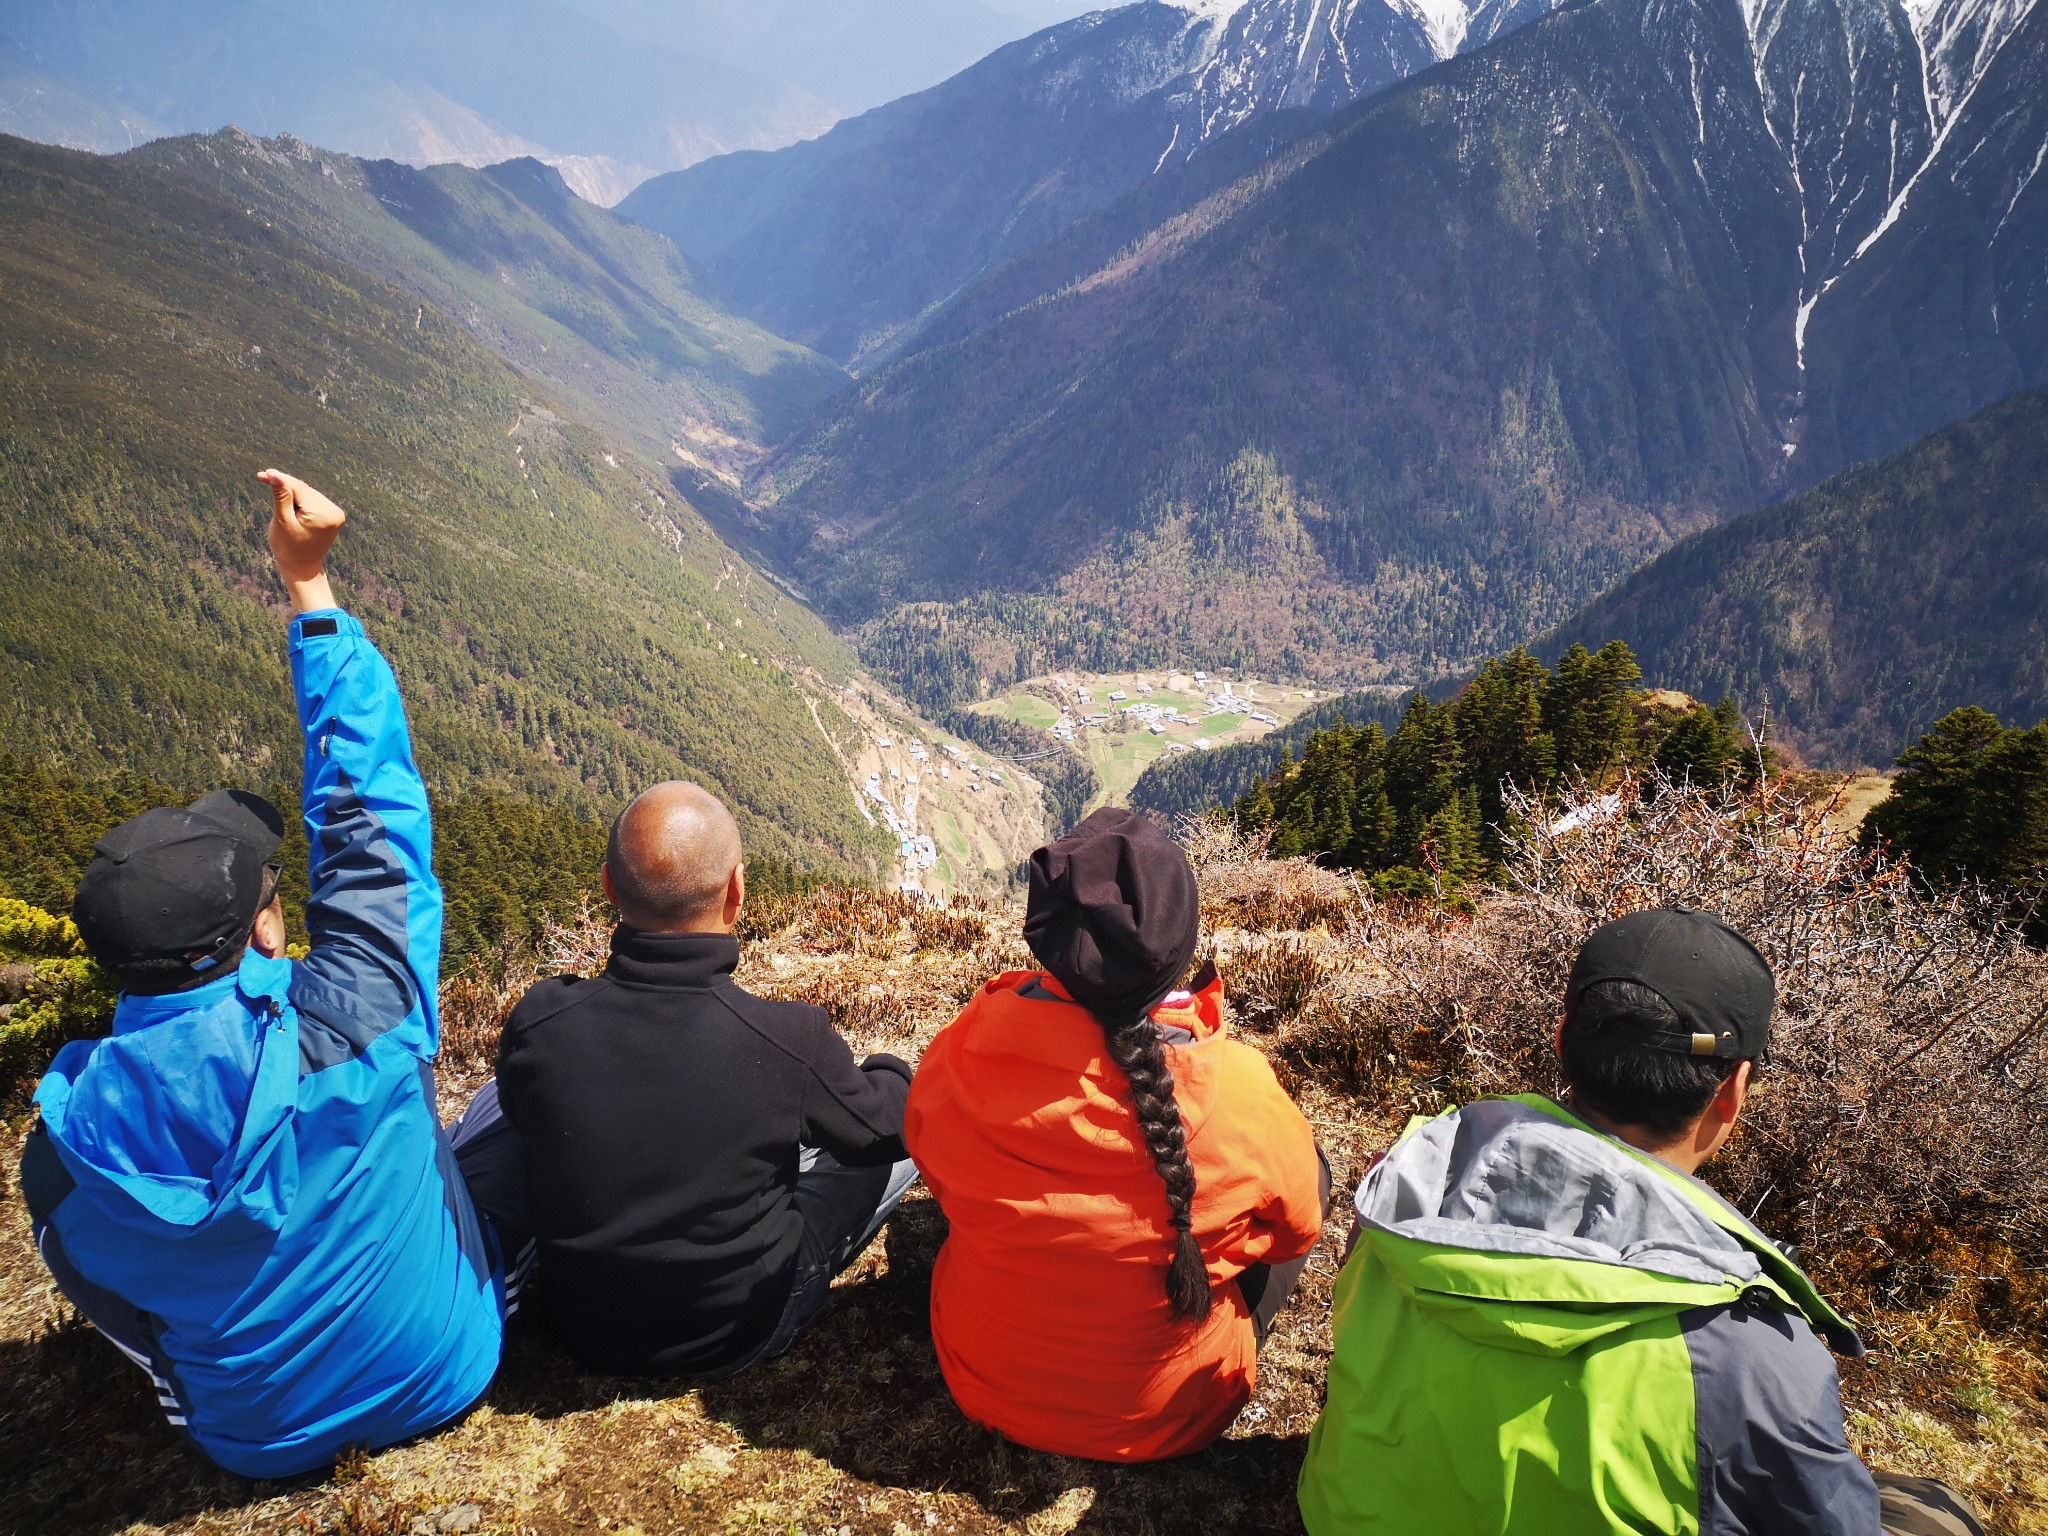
1904, 1087
476, 1000
1274, 983
1242, 888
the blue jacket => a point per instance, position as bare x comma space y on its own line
252, 1176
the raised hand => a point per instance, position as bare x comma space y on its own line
303, 525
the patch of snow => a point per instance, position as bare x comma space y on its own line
1218, 11
1587, 815
1444, 21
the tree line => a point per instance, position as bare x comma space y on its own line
509, 864
1425, 801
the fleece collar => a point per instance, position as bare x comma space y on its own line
671, 961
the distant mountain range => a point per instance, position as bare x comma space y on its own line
422, 81
1436, 372
849, 241
609, 318
567, 627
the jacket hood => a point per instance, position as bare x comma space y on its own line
182, 1119
1036, 1068
1529, 1229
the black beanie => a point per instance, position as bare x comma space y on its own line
1114, 914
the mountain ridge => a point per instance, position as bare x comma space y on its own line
1504, 331
849, 241
474, 81
566, 627
606, 316
1861, 611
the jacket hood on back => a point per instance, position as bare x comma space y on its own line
1532, 1230
181, 1122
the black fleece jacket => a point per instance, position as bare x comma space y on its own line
662, 1109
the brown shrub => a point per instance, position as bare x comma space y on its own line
477, 999
843, 919
1904, 1084
1242, 888
1272, 984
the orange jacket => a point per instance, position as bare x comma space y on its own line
1049, 1301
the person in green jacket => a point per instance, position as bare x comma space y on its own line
1547, 1325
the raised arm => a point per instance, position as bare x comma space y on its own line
375, 910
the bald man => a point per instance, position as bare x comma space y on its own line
701, 1162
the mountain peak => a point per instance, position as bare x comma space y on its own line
529, 173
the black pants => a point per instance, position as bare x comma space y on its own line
842, 1208
1267, 1288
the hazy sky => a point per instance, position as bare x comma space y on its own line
612, 90
852, 54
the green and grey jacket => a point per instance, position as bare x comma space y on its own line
1541, 1330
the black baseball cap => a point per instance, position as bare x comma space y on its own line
171, 895
1715, 981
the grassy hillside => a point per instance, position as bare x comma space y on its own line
609, 318
1865, 609
564, 626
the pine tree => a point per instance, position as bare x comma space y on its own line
1499, 719
1424, 767
1586, 708
1932, 813
1372, 812
1971, 802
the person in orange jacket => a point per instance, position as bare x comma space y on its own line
1131, 1194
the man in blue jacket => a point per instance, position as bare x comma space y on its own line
246, 1187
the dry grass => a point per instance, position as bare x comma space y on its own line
1903, 1072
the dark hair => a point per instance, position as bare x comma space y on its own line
1613, 1071
1141, 1056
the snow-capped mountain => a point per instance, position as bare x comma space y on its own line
1461, 349
848, 241
1272, 55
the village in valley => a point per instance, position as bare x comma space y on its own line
1123, 722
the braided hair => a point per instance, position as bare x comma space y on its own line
1141, 1056
1114, 916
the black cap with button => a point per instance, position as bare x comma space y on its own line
172, 894
1715, 981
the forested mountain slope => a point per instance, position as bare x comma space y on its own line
563, 626
849, 241
1454, 362
842, 241
1864, 610
608, 317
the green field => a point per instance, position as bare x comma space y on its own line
1027, 709
1125, 747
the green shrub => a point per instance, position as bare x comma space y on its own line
65, 996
